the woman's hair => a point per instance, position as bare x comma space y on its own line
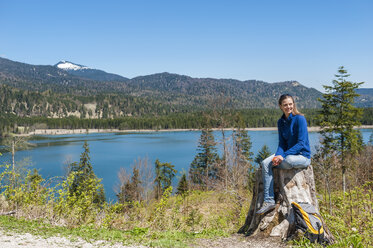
285, 96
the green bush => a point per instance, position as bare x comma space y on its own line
351, 221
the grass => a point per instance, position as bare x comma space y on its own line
91, 234
175, 221
171, 221
351, 221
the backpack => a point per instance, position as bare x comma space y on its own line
309, 222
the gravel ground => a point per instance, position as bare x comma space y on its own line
10, 240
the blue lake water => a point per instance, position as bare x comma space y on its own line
111, 151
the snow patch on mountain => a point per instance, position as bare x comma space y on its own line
66, 65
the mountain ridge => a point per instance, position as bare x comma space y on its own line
88, 73
158, 93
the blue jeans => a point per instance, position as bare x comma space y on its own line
290, 162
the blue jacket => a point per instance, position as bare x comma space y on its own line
293, 136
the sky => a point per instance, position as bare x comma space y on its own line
268, 40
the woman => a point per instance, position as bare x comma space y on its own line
293, 149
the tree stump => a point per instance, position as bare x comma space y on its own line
289, 185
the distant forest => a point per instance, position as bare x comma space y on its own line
248, 118
38, 97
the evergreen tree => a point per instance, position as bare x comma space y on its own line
84, 179
338, 117
263, 154
243, 145
203, 166
136, 184
164, 173
124, 194
130, 190
158, 179
182, 187
242, 140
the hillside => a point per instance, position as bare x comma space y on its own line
70, 89
238, 94
45, 77
88, 73
366, 97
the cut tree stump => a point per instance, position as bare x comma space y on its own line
290, 186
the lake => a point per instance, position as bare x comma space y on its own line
111, 151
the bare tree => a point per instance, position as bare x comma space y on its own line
219, 114
14, 143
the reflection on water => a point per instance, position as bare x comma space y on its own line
110, 151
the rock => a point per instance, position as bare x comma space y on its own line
290, 186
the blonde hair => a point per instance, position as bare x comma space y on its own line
285, 96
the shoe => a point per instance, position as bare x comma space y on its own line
266, 207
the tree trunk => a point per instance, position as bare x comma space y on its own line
13, 161
290, 186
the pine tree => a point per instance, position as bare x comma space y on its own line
338, 118
263, 154
158, 179
84, 177
242, 140
243, 145
164, 172
203, 166
124, 195
183, 186
136, 184
130, 190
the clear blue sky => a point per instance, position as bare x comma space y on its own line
265, 40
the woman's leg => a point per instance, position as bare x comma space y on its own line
267, 175
290, 162
294, 161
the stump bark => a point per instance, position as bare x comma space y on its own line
290, 186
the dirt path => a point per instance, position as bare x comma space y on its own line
13, 240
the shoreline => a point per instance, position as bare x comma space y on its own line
89, 131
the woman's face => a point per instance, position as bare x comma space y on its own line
287, 106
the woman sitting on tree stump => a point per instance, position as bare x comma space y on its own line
293, 150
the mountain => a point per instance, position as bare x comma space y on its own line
365, 91
88, 73
236, 94
43, 87
47, 77
16, 71
366, 97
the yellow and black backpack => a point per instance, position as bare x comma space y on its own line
309, 222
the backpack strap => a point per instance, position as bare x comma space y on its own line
307, 219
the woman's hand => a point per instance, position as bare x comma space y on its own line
277, 160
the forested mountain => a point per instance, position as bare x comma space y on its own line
45, 77
88, 73
238, 94
39, 90
366, 97
49, 104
